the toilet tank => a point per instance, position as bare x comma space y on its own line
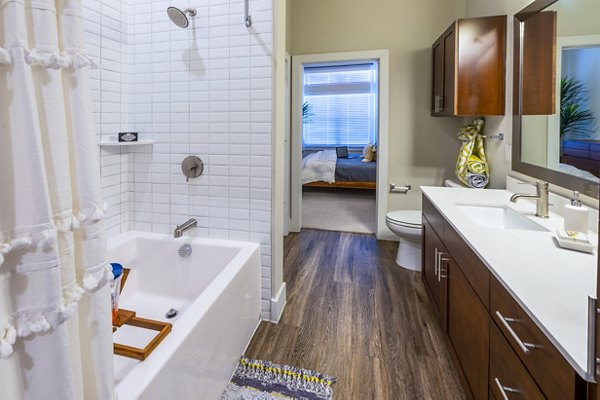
453, 183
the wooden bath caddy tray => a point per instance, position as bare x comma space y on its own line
126, 317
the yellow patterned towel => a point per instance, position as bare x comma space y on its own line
471, 162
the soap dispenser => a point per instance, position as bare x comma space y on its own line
576, 215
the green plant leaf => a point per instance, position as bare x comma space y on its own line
574, 118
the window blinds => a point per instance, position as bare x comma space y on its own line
343, 105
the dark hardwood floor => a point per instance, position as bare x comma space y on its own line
353, 313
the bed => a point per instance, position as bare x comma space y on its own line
582, 157
325, 169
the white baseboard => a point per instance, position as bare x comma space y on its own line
388, 236
278, 304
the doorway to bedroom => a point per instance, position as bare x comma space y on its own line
339, 117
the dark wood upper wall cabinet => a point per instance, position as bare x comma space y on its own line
469, 68
539, 65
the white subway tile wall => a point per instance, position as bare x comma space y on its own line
205, 90
105, 24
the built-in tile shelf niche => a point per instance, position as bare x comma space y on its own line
113, 143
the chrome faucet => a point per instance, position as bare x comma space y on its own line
541, 198
187, 225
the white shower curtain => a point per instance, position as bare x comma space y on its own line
55, 320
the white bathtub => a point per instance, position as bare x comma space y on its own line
217, 293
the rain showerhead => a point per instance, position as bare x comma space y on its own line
179, 17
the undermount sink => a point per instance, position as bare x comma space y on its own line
500, 217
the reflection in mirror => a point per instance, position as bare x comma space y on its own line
560, 90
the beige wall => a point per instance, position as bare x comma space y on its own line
577, 17
288, 26
422, 149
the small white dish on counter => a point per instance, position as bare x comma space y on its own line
574, 241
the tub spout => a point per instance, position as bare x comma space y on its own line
187, 225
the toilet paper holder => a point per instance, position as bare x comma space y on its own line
399, 189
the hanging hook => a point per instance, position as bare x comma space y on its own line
499, 136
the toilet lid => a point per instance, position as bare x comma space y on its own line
410, 218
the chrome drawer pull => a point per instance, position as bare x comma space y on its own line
591, 340
504, 389
440, 276
505, 321
437, 261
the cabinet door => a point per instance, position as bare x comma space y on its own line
448, 97
539, 66
442, 102
438, 77
508, 376
432, 248
480, 66
593, 389
468, 329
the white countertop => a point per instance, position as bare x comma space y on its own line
552, 284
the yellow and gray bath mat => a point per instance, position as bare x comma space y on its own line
264, 380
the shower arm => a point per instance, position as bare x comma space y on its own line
248, 17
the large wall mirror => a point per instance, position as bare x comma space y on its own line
556, 123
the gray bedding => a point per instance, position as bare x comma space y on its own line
354, 170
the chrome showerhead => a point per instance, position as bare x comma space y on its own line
179, 17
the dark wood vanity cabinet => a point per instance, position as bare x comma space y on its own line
552, 373
468, 330
507, 373
469, 68
433, 250
461, 313
498, 349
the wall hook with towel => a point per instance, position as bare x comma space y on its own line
499, 136
399, 189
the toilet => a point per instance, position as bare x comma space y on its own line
408, 226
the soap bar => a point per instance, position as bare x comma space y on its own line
574, 241
573, 235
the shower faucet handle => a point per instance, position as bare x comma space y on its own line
192, 167
191, 171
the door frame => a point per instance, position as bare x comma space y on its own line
287, 143
298, 62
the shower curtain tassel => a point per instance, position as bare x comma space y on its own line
48, 238
7, 341
5, 57
40, 325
